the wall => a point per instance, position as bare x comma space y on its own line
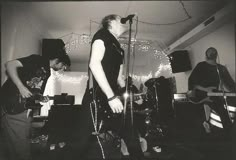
223, 39
21, 33
79, 67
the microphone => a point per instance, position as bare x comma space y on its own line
129, 17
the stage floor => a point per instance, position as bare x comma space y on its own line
184, 145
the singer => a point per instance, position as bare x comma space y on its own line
105, 70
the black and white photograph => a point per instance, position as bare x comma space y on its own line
118, 80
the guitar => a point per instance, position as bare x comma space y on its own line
198, 96
104, 109
16, 104
135, 97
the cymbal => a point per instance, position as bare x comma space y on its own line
150, 82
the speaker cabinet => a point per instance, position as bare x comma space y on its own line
62, 123
189, 121
188, 115
51, 47
180, 61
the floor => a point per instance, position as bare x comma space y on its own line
180, 144
210, 148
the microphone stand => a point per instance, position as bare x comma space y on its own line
127, 89
156, 98
223, 91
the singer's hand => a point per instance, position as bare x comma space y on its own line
25, 93
116, 105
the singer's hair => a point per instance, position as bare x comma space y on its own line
107, 20
211, 53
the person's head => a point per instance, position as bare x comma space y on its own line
60, 62
112, 22
211, 54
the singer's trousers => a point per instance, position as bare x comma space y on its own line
81, 145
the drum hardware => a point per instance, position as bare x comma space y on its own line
154, 130
145, 111
151, 82
148, 120
156, 98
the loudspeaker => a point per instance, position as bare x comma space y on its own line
164, 94
52, 47
180, 61
62, 122
188, 115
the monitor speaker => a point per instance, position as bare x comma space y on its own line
62, 122
52, 47
180, 61
188, 115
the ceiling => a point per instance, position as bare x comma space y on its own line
155, 20
65, 17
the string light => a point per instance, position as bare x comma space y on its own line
157, 63
141, 78
85, 39
74, 40
142, 45
68, 76
162, 69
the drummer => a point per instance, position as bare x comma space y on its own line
131, 87
139, 109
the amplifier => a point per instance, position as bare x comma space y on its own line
62, 122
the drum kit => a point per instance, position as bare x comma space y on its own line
149, 129
150, 108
